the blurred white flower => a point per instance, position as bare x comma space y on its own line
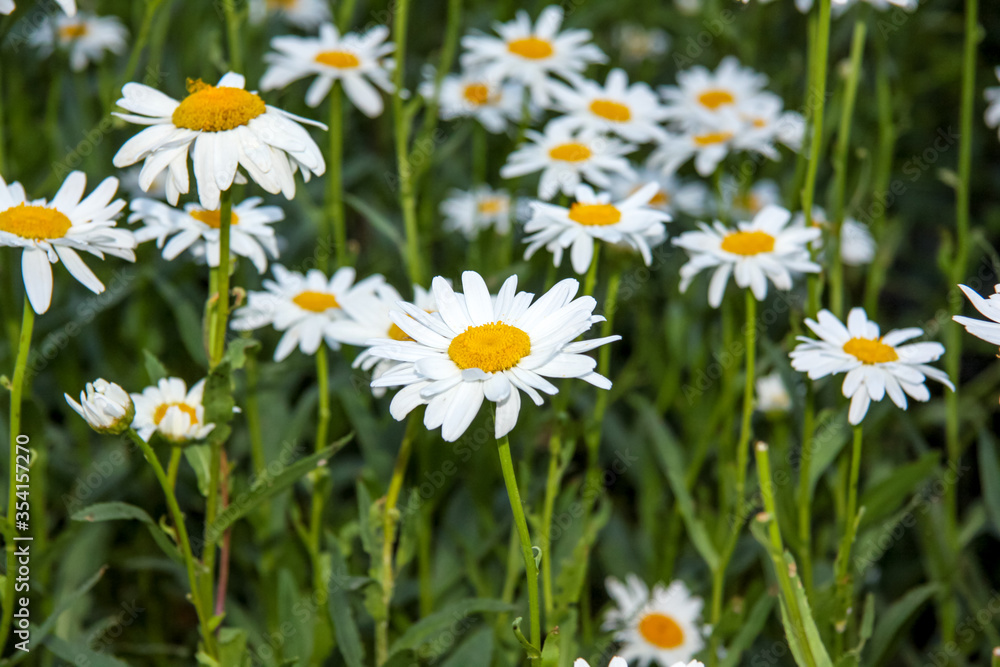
992, 95
304, 14
632, 112
470, 212
857, 245
772, 396
741, 203
674, 195
68, 6
105, 406
472, 95
85, 37
637, 43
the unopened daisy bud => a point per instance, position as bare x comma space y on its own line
105, 406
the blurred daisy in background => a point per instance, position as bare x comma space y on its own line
173, 411
752, 252
990, 307
875, 365
304, 14
358, 61
700, 95
992, 95
772, 395
472, 95
68, 6
660, 626
632, 112
130, 184
857, 245
674, 195
85, 37
565, 158
708, 145
593, 217
532, 55
839, 6
197, 230
302, 307
224, 128
742, 202
637, 43
473, 211
766, 123
477, 347
53, 231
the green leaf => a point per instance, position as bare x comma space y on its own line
345, 627
199, 458
218, 402
377, 219
672, 463
40, 632
886, 496
550, 649
989, 476
154, 368
232, 647
365, 527
853, 657
749, 630
831, 434
265, 486
573, 568
405, 658
892, 620
78, 653
236, 352
476, 649
119, 511
427, 627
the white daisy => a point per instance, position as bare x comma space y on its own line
84, 36
875, 365
304, 14
709, 143
68, 6
742, 203
990, 307
615, 662
302, 306
659, 626
475, 348
197, 230
637, 43
632, 222
356, 60
532, 55
130, 184
767, 123
105, 406
754, 252
857, 245
674, 195
632, 112
839, 6
170, 409
472, 95
564, 158
700, 94
772, 395
477, 209
224, 128
52, 231
992, 95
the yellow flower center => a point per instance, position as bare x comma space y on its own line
748, 243
338, 59
571, 152
317, 302
759, 122
748, 202
715, 98
396, 333
712, 138
870, 351
34, 222
531, 47
212, 218
613, 111
492, 206
489, 347
161, 412
73, 31
594, 215
216, 109
477, 94
661, 199
661, 631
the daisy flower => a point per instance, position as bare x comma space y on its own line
742, 203
992, 95
593, 217
130, 184
857, 245
659, 626
632, 112
477, 209
223, 127
766, 123
68, 6
875, 365
700, 94
754, 252
48, 232
772, 395
674, 195
84, 36
472, 95
173, 411
565, 157
477, 348
356, 60
197, 230
302, 307
709, 144
105, 406
839, 6
304, 14
990, 307
637, 43
532, 55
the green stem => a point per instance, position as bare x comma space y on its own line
16, 393
840, 166
222, 304
390, 518
252, 410
817, 100
201, 608
233, 30
590, 280
174, 466
141, 39
804, 501
318, 495
345, 15
527, 553
407, 193
807, 112
842, 579
743, 446
552, 482
335, 182
479, 153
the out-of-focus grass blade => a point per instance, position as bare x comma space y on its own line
345, 627
477, 649
77, 653
989, 475
749, 631
429, 626
119, 511
892, 620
